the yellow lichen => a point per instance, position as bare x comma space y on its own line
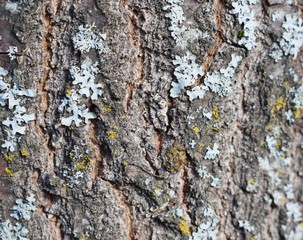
105, 107
115, 154
216, 129
215, 114
183, 226
111, 134
80, 165
8, 172
86, 160
251, 181
279, 105
278, 144
158, 191
71, 155
125, 163
24, 153
270, 126
9, 158
83, 237
196, 129
282, 200
68, 92
297, 113
201, 146
286, 85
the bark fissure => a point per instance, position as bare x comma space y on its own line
136, 42
50, 11
47, 54
184, 189
159, 142
123, 3
150, 162
138, 169
98, 157
212, 52
127, 215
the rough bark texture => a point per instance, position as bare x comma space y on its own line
141, 159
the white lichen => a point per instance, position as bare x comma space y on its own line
220, 82
12, 7
85, 78
71, 105
205, 174
251, 185
192, 144
212, 153
11, 52
294, 211
297, 233
279, 198
276, 53
208, 115
180, 33
85, 87
10, 95
8, 231
196, 92
291, 41
246, 225
289, 191
186, 72
298, 96
23, 208
86, 39
277, 15
289, 116
247, 17
209, 229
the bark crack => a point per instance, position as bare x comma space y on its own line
96, 160
136, 42
185, 188
127, 213
50, 11
123, 3
47, 201
158, 142
127, 208
210, 55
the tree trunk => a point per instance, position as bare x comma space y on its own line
143, 119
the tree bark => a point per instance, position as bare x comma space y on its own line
150, 165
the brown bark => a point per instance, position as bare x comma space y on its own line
140, 174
